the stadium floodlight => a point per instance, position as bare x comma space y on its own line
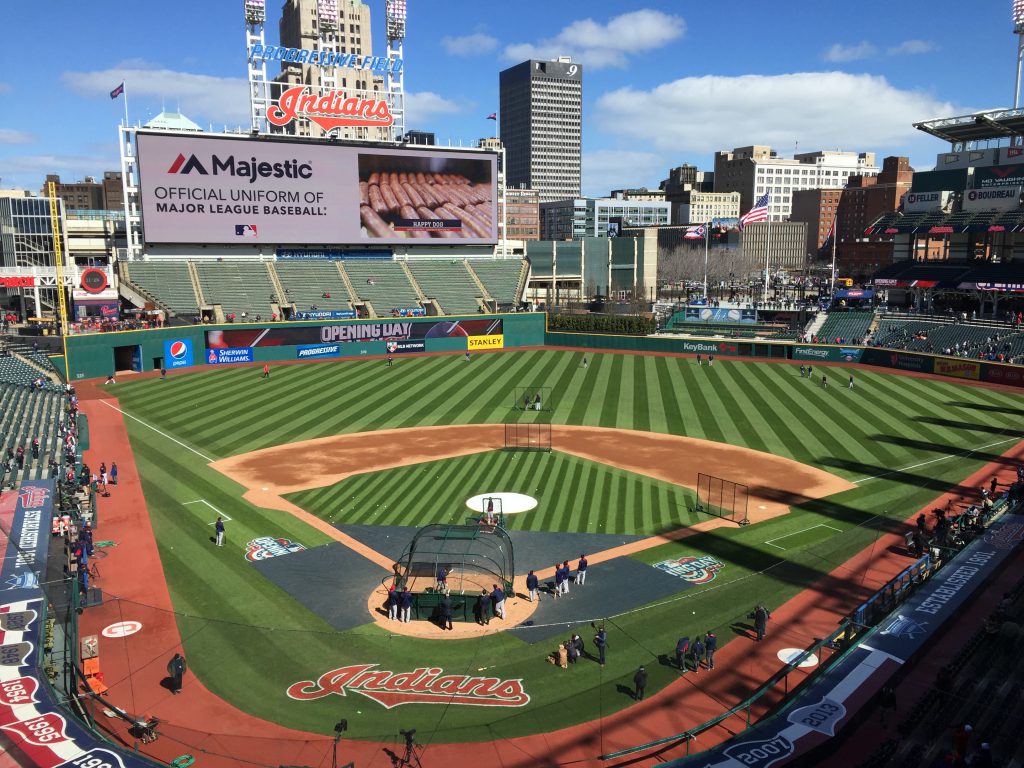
255, 11
396, 14
327, 13
1018, 12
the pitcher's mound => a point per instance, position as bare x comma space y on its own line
511, 503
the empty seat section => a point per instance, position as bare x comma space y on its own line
501, 278
449, 284
383, 284
305, 283
237, 287
168, 281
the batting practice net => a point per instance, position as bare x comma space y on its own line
527, 437
722, 498
532, 399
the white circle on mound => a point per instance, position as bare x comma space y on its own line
122, 629
511, 503
789, 655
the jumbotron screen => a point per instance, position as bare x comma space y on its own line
212, 189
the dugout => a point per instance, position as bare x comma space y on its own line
474, 556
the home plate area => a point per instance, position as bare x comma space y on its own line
333, 581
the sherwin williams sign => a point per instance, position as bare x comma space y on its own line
213, 189
227, 356
178, 353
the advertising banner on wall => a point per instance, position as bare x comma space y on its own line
178, 353
229, 355
719, 315
317, 335
830, 354
906, 361
925, 201
992, 199
999, 176
266, 191
308, 351
961, 369
408, 345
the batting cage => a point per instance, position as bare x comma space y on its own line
527, 437
532, 399
722, 498
471, 558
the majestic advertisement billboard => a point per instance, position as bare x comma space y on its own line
316, 339
212, 189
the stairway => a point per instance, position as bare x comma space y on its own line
415, 285
347, 281
282, 298
816, 323
489, 303
194, 274
33, 364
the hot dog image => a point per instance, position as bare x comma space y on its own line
426, 197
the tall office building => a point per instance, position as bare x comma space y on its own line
302, 27
754, 170
541, 126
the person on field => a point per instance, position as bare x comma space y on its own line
405, 603
810, 371
391, 361
536, 402
696, 653
558, 580
760, 616
640, 684
219, 528
176, 671
803, 371
446, 612
442, 579
601, 641
581, 570
824, 382
850, 385
113, 473
531, 586
163, 374
710, 646
711, 360
483, 608
566, 571
498, 596
266, 371
698, 359
682, 648
584, 361
392, 602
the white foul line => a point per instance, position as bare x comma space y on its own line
794, 533
172, 439
941, 458
204, 501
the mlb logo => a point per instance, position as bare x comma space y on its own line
245, 230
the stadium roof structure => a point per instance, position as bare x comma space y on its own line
941, 223
952, 276
988, 125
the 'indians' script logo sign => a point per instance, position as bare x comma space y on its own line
424, 685
696, 570
33, 497
330, 110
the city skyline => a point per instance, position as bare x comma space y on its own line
666, 84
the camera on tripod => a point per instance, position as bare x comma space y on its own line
410, 758
410, 736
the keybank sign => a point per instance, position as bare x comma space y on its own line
328, 59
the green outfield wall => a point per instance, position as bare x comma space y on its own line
98, 355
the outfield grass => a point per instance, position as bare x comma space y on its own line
892, 436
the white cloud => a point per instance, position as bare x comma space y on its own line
9, 136
421, 107
469, 45
821, 110
608, 169
912, 48
605, 45
839, 52
202, 98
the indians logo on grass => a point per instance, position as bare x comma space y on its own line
266, 547
696, 570
424, 685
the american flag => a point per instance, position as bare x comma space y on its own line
832, 229
758, 213
696, 233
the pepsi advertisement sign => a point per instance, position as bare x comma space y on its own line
229, 355
178, 353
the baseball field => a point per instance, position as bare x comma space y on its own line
340, 462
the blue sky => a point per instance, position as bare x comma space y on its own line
664, 82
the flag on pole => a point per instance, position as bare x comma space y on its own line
695, 233
492, 116
117, 91
758, 213
832, 229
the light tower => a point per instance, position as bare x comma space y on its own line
394, 80
259, 93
